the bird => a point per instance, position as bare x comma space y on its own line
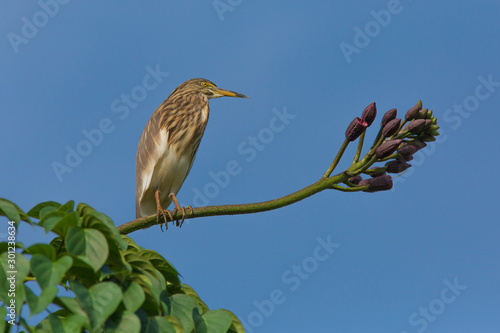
168, 145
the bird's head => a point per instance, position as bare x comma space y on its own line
207, 88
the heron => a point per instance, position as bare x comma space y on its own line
168, 145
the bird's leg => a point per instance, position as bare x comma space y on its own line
177, 209
160, 209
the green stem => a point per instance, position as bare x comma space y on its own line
360, 147
365, 166
336, 160
350, 189
379, 134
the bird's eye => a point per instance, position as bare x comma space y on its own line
205, 84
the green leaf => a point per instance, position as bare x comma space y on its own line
3, 314
99, 301
35, 211
51, 324
214, 321
67, 207
153, 285
181, 307
158, 325
175, 323
48, 273
236, 326
190, 292
45, 249
13, 271
54, 323
39, 303
83, 208
126, 322
130, 243
88, 245
133, 297
162, 265
46, 210
69, 221
50, 217
104, 224
71, 305
9, 210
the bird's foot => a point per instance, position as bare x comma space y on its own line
164, 213
178, 208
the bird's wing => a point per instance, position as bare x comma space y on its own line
152, 145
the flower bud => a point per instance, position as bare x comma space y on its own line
413, 112
422, 114
391, 127
369, 114
382, 183
387, 148
355, 129
416, 126
432, 130
397, 166
405, 153
417, 143
355, 179
388, 116
404, 158
407, 150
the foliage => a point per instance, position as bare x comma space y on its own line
92, 278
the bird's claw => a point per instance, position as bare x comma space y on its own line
164, 218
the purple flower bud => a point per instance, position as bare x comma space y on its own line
407, 150
355, 179
382, 183
417, 143
391, 127
404, 158
355, 129
387, 148
397, 166
416, 126
413, 112
388, 116
369, 114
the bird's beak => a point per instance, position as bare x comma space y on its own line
219, 92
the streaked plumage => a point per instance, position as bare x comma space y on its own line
169, 142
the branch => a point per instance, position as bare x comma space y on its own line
323, 184
389, 144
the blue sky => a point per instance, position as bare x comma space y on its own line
420, 258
